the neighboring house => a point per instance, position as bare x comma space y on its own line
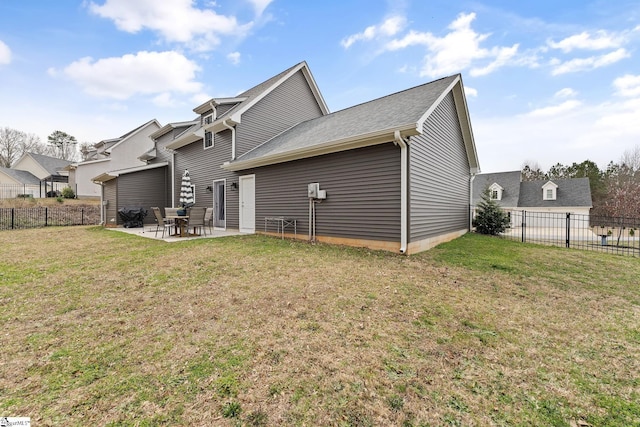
557, 196
34, 175
396, 171
143, 186
110, 155
14, 183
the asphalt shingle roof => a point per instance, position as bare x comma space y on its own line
386, 113
570, 192
509, 181
23, 177
51, 164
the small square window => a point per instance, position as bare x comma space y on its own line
207, 120
549, 193
494, 194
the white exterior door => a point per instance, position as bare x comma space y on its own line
248, 204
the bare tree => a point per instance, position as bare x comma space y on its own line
64, 144
531, 171
10, 146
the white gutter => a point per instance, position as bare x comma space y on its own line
215, 111
233, 138
404, 190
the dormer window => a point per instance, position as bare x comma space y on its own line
208, 139
549, 191
495, 191
207, 120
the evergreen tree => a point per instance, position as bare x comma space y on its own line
490, 218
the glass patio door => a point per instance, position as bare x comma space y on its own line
219, 205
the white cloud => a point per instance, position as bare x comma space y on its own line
175, 20
144, 73
469, 91
164, 100
554, 110
234, 58
627, 85
601, 40
572, 133
566, 92
260, 5
5, 54
585, 64
388, 28
457, 50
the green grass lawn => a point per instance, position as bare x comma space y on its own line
104, 328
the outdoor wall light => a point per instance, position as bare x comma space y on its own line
210, 188
234, 185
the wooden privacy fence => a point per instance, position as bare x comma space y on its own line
20, 218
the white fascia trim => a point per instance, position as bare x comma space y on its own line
206, 106
463, 118
144, 126
236, 116
107, 176
359, 141
90, 162
185, 140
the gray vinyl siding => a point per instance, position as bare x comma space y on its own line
144, 189
163, 155
290, 103
204, 168
438, 176
363, 193
111, 196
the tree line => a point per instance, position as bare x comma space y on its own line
615, 190
14, 143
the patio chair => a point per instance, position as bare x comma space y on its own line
161, 222
208, 219
196, 219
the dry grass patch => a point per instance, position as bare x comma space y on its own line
102, 328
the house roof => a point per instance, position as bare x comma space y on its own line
131, 133
243, 102
108, 176
365, 124
509, 181
52, 165
22, 177
574, 192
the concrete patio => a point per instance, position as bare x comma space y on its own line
149, 231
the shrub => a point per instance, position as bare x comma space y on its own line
59, 199
490, 218
67, 193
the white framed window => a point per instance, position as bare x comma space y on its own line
549, 191
208, 140
495, 191
207, 120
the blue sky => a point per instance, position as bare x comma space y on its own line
546, 81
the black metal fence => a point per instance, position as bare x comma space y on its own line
616, 235
19, 218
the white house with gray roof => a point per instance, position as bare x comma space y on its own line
556, 196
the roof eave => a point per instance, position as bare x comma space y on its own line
350, 143
186, 139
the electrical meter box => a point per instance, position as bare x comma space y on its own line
312, 190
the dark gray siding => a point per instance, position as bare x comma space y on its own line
204, 168
163, 155
144, 189
290, 103
363, 193
111, 196
438, 176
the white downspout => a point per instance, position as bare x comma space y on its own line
404, 190
233, 138
173, 178
471, 178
